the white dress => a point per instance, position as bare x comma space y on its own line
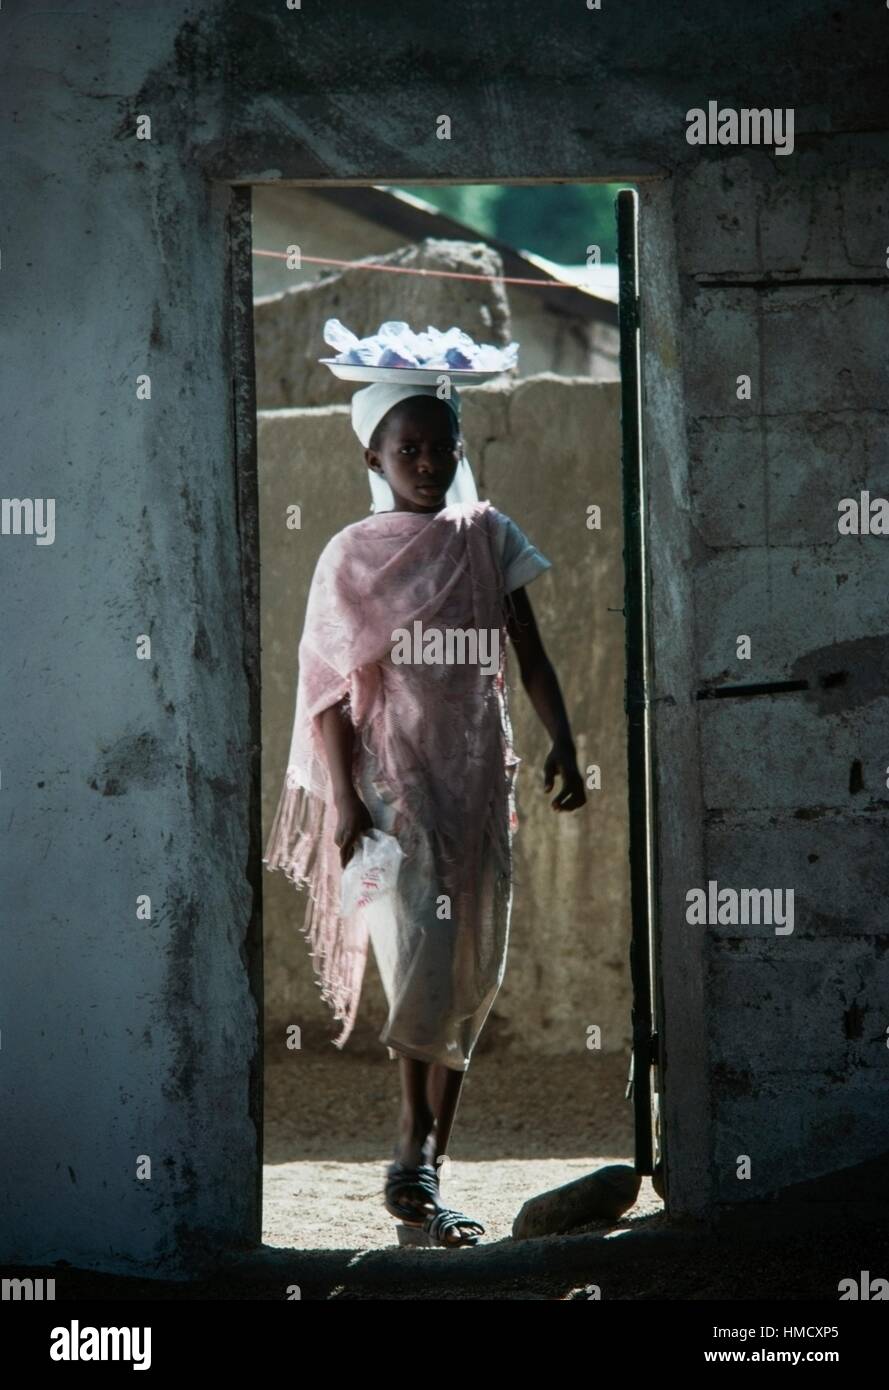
440, 974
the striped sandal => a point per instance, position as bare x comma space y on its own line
433, 1227
420, 1178
446, 1219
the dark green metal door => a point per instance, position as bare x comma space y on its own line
643, 1084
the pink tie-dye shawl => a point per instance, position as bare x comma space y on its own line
440, 741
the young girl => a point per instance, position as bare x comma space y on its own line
419, 748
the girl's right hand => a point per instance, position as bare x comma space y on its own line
353, 818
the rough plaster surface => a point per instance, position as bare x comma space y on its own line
120, 777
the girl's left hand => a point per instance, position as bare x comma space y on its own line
563, 761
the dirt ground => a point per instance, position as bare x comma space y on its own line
522, 1128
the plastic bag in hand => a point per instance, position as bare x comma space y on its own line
370, 877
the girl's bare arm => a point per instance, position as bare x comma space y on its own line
353, 817
541, 682
339, 740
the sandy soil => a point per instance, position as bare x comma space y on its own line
523, 1127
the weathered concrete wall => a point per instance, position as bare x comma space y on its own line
122, 1037
793, 784
141, 1038
542, 452
686, 1101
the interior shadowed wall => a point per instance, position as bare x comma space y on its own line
125, 777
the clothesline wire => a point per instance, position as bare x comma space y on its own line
444, 274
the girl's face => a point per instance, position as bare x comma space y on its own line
418, 454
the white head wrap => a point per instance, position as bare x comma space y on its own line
368, 408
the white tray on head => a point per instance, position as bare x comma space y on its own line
408, 376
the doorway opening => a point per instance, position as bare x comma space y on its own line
556, 446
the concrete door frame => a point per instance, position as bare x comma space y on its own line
684, 1113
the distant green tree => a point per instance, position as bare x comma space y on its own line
556, 220
472, 204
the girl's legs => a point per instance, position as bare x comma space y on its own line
430, 1094
415, 1128
443, 1087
